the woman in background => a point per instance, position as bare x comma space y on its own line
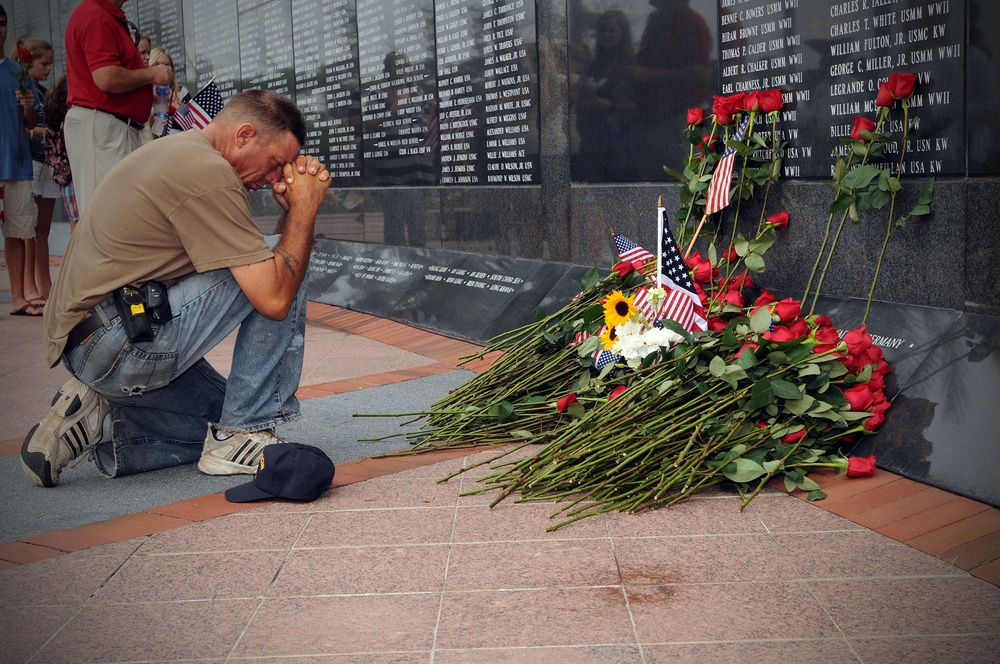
606, 106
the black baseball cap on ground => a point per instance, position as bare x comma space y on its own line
292, 471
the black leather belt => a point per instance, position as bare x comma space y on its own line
89, 325
124, 118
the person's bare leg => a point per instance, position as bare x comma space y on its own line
43, 277
13, 251
29, 288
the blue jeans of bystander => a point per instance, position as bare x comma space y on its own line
164, 393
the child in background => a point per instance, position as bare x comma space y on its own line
37, 278
55, 149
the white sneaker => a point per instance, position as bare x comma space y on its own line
74, 425
229, 452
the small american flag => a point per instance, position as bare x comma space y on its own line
199, 111
722, 179
682, 303
629, 250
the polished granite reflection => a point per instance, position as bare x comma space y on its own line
464, 295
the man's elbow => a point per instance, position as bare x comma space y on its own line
273, 309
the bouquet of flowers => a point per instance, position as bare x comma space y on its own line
672, 373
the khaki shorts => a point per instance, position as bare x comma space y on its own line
95, 141
20, 213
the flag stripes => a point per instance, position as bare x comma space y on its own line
722, 180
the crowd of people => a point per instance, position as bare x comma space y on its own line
51, 173
165, 259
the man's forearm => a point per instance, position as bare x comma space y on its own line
279, 228
116, 79
291, 254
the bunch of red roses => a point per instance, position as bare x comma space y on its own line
727, 298
759, 152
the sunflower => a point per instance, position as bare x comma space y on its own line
617, 309
608, 337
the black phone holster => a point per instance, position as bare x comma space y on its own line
140, 307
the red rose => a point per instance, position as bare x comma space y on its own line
700, 292
730, 254
861, 123
881, 404
751, 346
861, 466
725, 108
617, 392
770, 100
623, 268
738, 101
566, 402
788, 309
874, 354
765, 297
822, 320
876, 382
826, 339
901, 85
860, 397
884, 97
751, 101
701, 269
792, 438
738, 283
799, 328
716, 324
874, 422
695, 116
858, 340
706, 147
788, 332
730, 296
779, 220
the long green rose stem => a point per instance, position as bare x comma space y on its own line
826, 264
771, 176
838, 187
892, 209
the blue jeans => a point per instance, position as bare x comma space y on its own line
164, 394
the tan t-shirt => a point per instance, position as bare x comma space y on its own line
172, 207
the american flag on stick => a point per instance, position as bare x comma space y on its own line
199, 111
629, 250
682, 303
722, 179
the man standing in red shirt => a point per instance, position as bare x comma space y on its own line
110, 92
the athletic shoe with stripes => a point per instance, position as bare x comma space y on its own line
229, 452
74, 425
